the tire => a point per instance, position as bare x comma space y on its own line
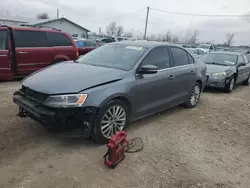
99, 130
194, 96
246, 82
230, 86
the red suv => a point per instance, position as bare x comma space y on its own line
24, 50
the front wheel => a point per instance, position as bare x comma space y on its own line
110, 119
230, 86
194, 96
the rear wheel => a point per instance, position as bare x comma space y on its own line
230, 86
194, 96
110, 119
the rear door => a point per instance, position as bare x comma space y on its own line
242, 70
5, 59
32, 51
63, 46
183, 74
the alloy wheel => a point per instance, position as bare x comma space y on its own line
195, 95
231, 84
113, 120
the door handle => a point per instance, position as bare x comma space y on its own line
22, 52
192, 71
3, 55
171, 77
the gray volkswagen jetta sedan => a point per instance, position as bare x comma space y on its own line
111, 86
226, 69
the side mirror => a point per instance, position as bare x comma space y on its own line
148, 69
241, 64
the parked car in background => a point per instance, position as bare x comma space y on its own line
24, 50
197, 53
111, 86
101, 42
84, 46
206, 47
248, 57
226, 69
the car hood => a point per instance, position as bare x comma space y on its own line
69, 77
216, 68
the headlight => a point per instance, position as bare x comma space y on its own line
219, 75
72, 100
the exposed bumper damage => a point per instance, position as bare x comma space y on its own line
56, 119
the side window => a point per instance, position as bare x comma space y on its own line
28, 39
190, 59
3, 40
240, 59
90, 44
58, 39
159, 57
245, 58
180, 56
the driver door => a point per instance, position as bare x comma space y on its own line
152, 92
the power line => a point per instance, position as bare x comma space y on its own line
201, 15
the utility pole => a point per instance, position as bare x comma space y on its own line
57, 13
146, 24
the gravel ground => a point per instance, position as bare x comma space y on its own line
205, 147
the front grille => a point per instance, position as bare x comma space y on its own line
29, 93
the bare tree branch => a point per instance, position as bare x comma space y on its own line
111, 29
42, 16
119, 31
229, 39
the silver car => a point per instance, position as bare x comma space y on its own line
226, 69
111, 86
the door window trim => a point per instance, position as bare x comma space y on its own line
170, 58
173, 56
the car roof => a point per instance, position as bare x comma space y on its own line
232, 53
145, 44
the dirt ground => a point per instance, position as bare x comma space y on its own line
205, 147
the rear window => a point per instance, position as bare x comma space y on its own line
30, 38
3, 40
58, 39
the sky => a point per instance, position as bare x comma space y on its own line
131, 14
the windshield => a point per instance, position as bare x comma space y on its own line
203, 46
113, 56
219, 59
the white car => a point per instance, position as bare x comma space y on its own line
206, 47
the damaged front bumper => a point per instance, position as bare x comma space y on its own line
56, 119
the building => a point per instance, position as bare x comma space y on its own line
12, 20
65, 25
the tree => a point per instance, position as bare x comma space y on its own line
175, 39
128, 34
167, 37
191, 37
42, 16
111, 29
229, 39
119, 31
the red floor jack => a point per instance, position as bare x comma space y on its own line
117, 146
